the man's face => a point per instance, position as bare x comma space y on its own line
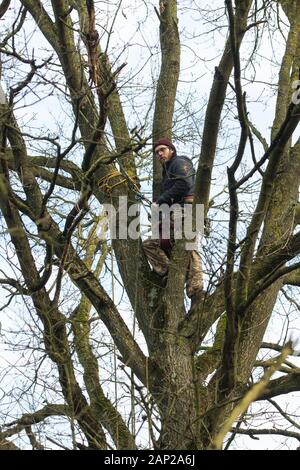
164, 153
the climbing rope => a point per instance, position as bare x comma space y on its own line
104, 183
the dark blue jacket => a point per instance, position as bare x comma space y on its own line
178, 180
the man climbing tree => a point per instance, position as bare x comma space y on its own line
178, 182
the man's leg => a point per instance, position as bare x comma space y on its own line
194, 277
156, 256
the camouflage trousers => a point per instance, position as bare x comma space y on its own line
160, 262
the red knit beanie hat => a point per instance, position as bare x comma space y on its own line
165, 142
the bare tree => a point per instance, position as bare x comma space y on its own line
185, 380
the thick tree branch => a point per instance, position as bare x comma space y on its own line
44, 21
281, 386
276, 152
215, 107
4, 7
167, 82
100, 404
